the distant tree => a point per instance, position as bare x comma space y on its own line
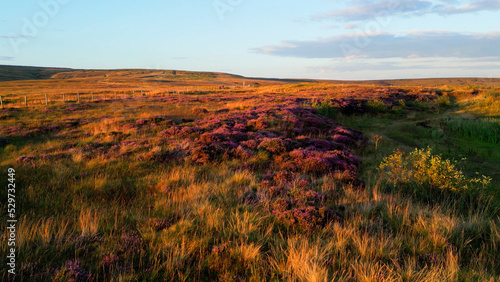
174, 72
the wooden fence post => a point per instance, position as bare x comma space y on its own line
92, 96
64, 98
1, 101
46, 99
26, 101
78, 94
115, 94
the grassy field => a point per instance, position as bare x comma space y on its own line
307, 181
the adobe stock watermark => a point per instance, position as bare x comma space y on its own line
225, 6
11, 221
40, 19
363, 37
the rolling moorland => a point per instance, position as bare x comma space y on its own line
212, 176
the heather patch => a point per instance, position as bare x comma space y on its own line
391, 100
293, 138
288, 140
295, 204
73, 271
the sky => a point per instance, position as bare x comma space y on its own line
321, 39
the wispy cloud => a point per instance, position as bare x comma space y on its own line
5, 58
416, 44
14, 36
408, 64
351, 25
359, 10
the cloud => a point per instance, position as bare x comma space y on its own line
5, 58
351, 25
407, 64
359, 10
416, 44
14, 36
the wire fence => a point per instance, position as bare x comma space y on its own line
33, 100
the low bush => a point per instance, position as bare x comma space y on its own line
422, 168
443, 101
376, 106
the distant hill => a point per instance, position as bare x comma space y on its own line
10, 73
437, 82
424, 82
180, 77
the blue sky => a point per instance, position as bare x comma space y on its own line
347, 39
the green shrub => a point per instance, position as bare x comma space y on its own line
377, 106
402, 103
494, 94
443, 101
419, 105
326, 108
422, 168
472, 87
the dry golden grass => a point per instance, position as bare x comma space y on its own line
485, 104
301, 260
89, 222
44, 231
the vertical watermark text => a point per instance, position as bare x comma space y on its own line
11, 221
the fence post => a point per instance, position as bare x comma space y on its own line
115, 94
92, 96
1, 101
133, 93
64, 98
46, 99
78, 94
26, 101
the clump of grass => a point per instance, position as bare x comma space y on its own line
301, 260
89, 222
485, 129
